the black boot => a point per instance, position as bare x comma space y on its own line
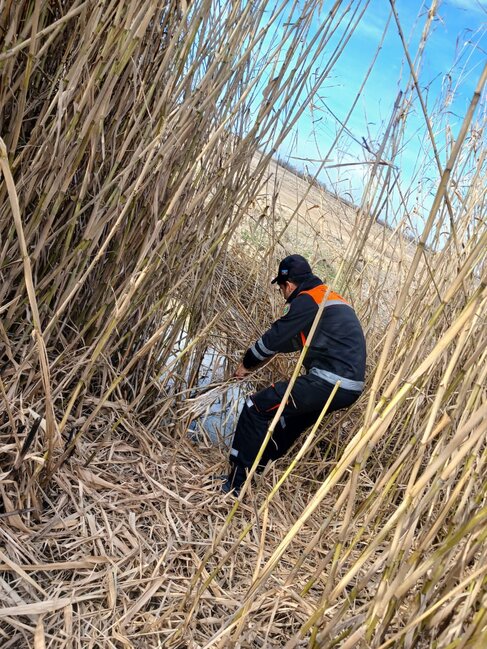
235, 479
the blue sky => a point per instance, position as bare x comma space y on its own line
454, 56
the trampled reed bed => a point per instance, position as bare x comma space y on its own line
135, 150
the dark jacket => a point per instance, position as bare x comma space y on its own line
337, 350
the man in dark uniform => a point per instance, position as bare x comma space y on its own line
337, 353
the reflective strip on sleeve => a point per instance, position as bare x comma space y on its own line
282, 422
261, 351
234, 452
265, 349
254, 351
329, 377
249, 402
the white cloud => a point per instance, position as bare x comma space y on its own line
371, 27
479, 6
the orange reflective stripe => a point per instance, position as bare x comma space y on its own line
273, 408
303, 338
318, 293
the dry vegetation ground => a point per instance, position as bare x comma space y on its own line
133, 524
134, 210
308, 218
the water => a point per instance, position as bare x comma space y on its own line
215, 409
222, 405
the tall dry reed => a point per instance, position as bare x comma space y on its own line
135, 152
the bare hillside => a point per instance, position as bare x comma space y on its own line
304, 217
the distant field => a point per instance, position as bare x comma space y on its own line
291, 215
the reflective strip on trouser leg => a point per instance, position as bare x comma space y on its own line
308, 396
249, 435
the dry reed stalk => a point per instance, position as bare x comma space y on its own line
134, 159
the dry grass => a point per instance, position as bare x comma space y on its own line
132, 174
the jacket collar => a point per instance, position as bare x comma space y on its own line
312, 282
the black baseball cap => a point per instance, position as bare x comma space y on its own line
293, 268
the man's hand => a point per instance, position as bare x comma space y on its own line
241, 372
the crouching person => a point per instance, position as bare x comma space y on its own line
337, 353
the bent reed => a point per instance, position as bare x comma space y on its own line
135, 152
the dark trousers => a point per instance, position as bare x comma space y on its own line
308, 396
